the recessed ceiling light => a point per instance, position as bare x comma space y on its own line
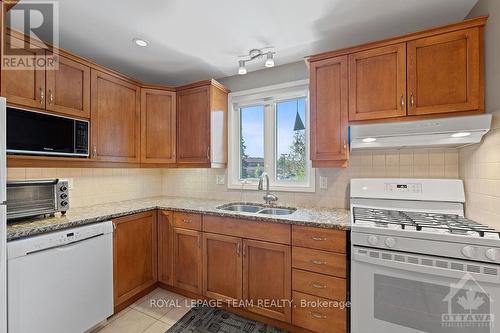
460, 135
140, 42
369, 140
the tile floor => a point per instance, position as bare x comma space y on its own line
144, 317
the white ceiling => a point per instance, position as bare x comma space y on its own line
199, 39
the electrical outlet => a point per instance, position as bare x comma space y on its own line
220, 179
323, 183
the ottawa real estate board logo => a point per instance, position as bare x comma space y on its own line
32, 37
469, 307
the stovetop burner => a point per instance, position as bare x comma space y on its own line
429, 222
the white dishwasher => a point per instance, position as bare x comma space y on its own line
60, 282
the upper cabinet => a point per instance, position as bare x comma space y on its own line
158, 126
115, 119
445, 73
437, 72
329, 112
202, 124
377, 79
68, 88
64, 89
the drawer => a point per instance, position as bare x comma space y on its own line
264, 231
319, 285
329, 317
318, 238
319, 261
187, 221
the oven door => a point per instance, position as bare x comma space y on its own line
394, 292
31, 198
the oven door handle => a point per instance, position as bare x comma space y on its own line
388, 259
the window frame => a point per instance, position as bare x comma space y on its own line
267, 96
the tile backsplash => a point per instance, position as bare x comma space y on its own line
480, 170
93, 186
420, 163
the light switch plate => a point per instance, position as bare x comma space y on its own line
323, 183
220, 179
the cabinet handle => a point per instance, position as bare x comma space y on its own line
42, 95
94, 150
51, 97
402, 102
238, 249
345, 145
208, 153
412, 100
318, 315
186, 221
244, 250
318, 285
320, 239
199, 242
318, 262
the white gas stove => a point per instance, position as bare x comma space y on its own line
411, 246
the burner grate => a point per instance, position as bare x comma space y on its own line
434, 222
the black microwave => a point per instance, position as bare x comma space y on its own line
37, 133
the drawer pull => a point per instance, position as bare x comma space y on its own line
318, 285
320, 239
318, 262
318, 315
186, 221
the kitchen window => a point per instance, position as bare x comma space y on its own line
269, 132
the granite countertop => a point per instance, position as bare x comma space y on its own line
314, 217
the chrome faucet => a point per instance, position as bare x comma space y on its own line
269, 198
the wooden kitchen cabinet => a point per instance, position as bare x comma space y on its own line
222, 267
188, 260
377, 83
24, 87
267, 276
329, 112
445, 73
68, 88
135, 256
202, 125
115, 119
158, 126
165, 247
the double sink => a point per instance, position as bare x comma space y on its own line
257, 209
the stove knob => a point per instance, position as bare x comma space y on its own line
493, 254
372, 240
390, 242
468, 251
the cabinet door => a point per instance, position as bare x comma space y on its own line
377, 79
135, 255
165, 247
68, 88
222, 267
24, 87
158, 126
329, 112
444, 73
267, 277
187, 260
193, 136
115, 119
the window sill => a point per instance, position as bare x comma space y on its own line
253, 186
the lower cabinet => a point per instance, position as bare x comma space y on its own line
222, 267
267, 278
165, 247
135, 256
188, 260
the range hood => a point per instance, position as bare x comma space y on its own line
445, 132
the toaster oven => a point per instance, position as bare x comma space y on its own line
29, 198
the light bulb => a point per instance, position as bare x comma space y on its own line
140, 42
269, 60
369, 140
242, 70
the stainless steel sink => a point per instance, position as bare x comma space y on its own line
242, 208
256, 208
277, 211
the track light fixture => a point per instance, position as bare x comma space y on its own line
254, 54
